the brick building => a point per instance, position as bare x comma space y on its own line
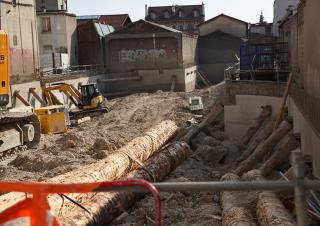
181, 17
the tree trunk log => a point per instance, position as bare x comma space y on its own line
281, 155
271, 212
264, 148
214, 113
233, 211
263, 133
266, 112
105, 207
113, 166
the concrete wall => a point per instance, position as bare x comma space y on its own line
127, 52
216, 52
20, 23
153, 80
280, 10
238, 117
189, 46
310, 138
62, 37
24, 90
224, 24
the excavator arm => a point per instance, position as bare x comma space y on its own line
67, 89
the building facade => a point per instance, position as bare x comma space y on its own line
146, 57
181, 17
57, 35
51, 5
18, 19
218, 45
92, 30
280, 8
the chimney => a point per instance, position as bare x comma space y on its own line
173, 8
203, 13
146, 10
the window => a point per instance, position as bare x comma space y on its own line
47, 49
181, 14
15, 40
153, 15
195, 13
14, 3
166, 15
46, 24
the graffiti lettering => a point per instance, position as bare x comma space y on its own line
129, 56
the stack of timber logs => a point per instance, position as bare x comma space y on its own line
280, 155
264, 148
113, 167
233, 212
107, 206
265, 114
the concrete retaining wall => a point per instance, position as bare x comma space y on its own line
238, 117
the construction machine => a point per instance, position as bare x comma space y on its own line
17, 130
87, 99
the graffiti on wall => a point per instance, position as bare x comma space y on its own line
130, 56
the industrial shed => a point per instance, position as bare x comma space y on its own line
148, 57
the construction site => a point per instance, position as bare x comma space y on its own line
172, 119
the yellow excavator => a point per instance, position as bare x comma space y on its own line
17, 130
88, 100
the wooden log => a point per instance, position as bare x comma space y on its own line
113, 166
280, 155
214, 113
234, 213
271, 212
263, 133
283, 103
266, 112
264, 148
107, 206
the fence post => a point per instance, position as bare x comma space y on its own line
299, 190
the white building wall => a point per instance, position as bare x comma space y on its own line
280, 10
62, 37
19, 21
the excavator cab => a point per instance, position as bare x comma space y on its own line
90, 96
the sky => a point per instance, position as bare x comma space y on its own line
247, 10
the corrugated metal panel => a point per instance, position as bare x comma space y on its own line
103, 29
88, 17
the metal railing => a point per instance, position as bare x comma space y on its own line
89, 70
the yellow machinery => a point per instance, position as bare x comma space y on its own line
89, 100
16, 129
52, 119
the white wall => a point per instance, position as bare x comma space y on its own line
280, 10
62, 36
239, 117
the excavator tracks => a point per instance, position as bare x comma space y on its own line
20, 119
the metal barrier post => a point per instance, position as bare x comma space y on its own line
299, 190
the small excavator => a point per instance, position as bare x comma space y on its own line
88, 100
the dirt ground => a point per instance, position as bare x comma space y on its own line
188, 208
129, 117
